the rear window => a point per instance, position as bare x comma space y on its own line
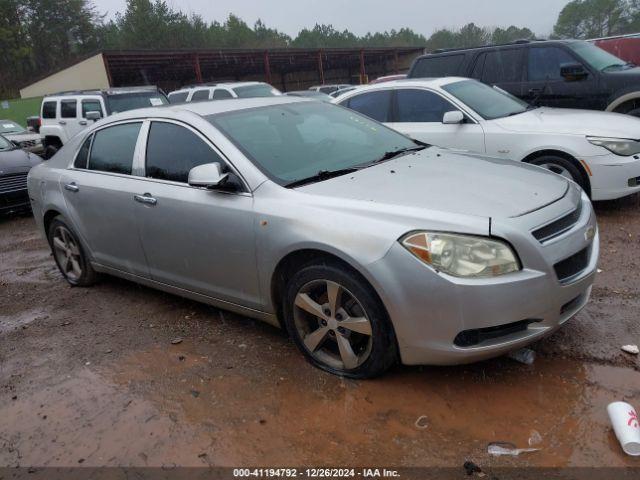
49, 109
178, 97
122, 102
200, 95
113, 148
434, 67
261, 90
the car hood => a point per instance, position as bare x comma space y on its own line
437, 179
17, 161
575, 122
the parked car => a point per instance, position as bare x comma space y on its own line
552, 73
323, 97
19, 135
330, 88
594, 149
15, 163
222, 91
365, 245
388, 78
337, 93
65, 114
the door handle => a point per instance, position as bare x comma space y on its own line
82, 122
62, 122
72, 187
147, 199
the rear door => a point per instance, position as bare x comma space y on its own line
418, 113
502, 67
99, 192
194, 238
546, 87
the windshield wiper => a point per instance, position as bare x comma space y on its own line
320, 176
401, 151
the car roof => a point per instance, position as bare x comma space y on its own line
517, 43
408, 82
206, 108
188, 88
105, 91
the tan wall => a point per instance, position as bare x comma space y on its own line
88, 74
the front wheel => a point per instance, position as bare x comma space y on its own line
563, 167
337, 321
69, 254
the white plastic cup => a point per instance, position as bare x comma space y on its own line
626, 424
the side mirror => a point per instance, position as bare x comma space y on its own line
572, 72
208, 175
453, 117
93, 115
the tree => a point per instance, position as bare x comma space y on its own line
511, 34
593, 18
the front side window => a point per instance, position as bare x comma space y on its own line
296, 141
488, 102
83, 154
502, 66
173, 150
545, 62
598, 58
178, 97
200, 95
436, 67
374, 105
221, 94
68, 108
259, 90
420, 106
113, 148
49, 109
91, 106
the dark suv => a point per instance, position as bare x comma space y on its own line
553, 73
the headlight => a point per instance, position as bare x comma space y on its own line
462, 255
619, 146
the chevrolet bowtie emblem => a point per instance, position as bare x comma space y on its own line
589, 233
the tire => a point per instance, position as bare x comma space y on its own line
69, 254
357, 318
563, 167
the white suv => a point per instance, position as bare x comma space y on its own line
221, 91
64, 114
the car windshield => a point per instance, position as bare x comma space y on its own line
252, 91
292, 142
596, 57
488, 102
5, 144
122, 102
7, 126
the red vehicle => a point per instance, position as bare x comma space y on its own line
626, 47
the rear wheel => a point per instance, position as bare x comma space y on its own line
563, 167
337, 321
69, 254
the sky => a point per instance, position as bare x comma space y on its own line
362, 16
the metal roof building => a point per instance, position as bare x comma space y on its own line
284, 68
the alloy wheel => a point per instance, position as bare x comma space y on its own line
332, 325
67, 253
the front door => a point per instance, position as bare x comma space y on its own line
99, 193
196, 239
418, 113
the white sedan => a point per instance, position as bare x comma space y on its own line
598, 150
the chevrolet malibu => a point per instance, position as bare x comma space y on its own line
367, 247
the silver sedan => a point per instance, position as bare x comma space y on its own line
367, 247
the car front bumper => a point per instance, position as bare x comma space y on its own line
613, 176
430, 310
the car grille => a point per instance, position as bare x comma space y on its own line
572, 266
28, 143
13, 183
558, 227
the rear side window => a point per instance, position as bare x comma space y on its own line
544, 63
178, 97
221, 94
49, 109
374, 105
173, 150
68, 108
434, 67
83, 154
113, 148
502, 66
91, 106
420, 106
200, 95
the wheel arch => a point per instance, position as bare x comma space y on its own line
567, 156
47, 218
